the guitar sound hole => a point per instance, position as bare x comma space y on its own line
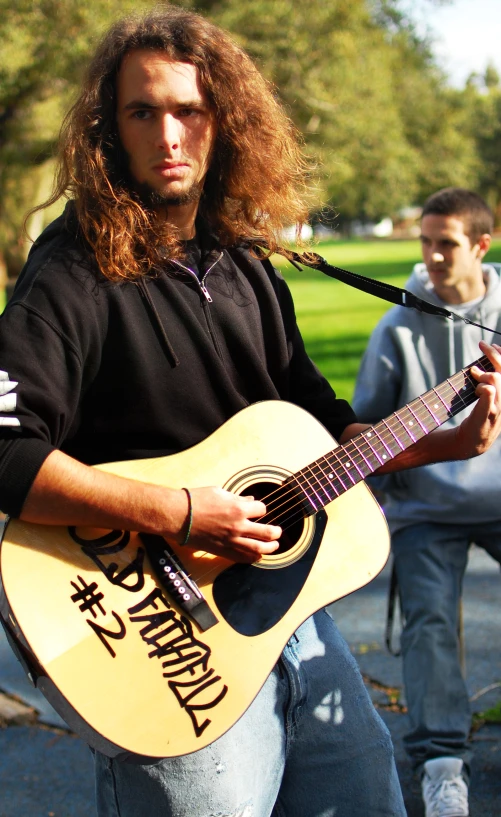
252, 601
282, 508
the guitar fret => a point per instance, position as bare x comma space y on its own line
324, 482
330, 476
338, 475
394, 436
351, 464
346, 469
402, 433
418, 421
389, 439
365, 436
456, 391
430, 412
386, 449
464, 378
333, 486
447, 398
369, 468
334, 469
444, 405
318, 486
348, 473
407, 421
308, 494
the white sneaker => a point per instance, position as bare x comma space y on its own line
445, 792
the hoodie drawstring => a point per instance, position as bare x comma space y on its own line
171, 355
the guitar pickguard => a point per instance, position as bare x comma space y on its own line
253, 600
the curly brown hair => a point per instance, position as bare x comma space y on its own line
258, 179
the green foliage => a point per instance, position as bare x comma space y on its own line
363, 88
482, 102
377, 115
45, 45
492, 715
332, 66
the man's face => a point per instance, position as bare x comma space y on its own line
453, 262
166, 127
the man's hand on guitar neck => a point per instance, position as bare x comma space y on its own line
482, 426
474, 436
66, 492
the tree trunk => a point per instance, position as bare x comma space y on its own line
3, 279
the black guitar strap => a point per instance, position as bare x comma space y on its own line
388, 292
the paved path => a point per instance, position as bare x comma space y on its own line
361, 618
47, 772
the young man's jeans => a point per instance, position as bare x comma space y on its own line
310, 745
430, 561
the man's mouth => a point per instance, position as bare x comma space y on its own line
170, 167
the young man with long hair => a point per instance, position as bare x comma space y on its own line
142, 321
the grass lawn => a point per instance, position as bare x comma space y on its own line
336, 319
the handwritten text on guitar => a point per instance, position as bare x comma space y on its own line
185, 659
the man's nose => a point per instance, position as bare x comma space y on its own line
437, 257
168, 133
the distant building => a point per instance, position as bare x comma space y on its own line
367, 229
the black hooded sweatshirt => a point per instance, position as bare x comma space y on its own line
120, 371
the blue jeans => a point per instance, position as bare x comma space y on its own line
430, 560
310, 745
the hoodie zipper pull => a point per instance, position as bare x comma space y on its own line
202, 281
205, 292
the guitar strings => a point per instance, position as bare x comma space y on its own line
381, 451
381, 448
340, 477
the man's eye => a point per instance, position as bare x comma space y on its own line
141, 114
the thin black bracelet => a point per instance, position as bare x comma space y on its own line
190, 518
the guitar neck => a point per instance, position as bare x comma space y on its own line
336, 472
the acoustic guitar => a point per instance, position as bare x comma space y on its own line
150, 650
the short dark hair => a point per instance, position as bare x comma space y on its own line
469, 206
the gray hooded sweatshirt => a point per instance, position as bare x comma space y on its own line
408, 353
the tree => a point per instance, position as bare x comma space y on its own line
45, 44
363, 87
482, 102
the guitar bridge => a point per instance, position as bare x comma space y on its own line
170, 573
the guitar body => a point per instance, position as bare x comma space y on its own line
114, 653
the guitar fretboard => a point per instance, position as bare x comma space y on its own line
336, 472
